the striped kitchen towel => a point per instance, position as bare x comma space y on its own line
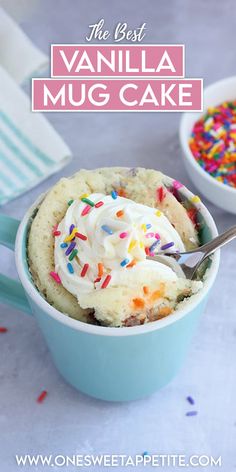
30, 148
18, 55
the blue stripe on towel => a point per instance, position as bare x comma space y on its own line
5, 159
25, 140
9, 181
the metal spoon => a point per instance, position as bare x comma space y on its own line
187, 263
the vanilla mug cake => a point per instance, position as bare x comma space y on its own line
117, 323
90, 238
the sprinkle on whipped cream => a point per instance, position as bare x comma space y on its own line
105, 239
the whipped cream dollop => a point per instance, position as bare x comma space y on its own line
104, 240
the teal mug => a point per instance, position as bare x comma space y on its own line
115, 364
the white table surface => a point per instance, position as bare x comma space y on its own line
69, 422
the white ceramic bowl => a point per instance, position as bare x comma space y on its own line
220, 194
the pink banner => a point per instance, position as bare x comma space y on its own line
113, 60
116, 95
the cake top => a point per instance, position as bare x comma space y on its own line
105, 240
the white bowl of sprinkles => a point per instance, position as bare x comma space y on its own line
213, 169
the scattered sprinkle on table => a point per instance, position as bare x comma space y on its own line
190, 400
3, 329
42, 396
191, 413
213, 142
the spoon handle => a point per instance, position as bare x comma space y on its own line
217, 242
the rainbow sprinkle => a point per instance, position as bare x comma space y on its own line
213, 142
81, 236
167, 246
123, 235
124, 262
3, 329
99, 204
161, 193
42, 396
177, 185
72, 234
56, 277
150, 235
70, 248
114, 194
120, 213
84, 270
190, 400
106, 281
100, 269
73, 254
195, 199
158, 213
88, 201
132, 244
153, 246
56, 233
63, 245
69, 203
70, 268
107, 229
86, 210
191, 413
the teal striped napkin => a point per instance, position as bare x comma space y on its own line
30, 148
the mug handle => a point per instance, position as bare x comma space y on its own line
11, 291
